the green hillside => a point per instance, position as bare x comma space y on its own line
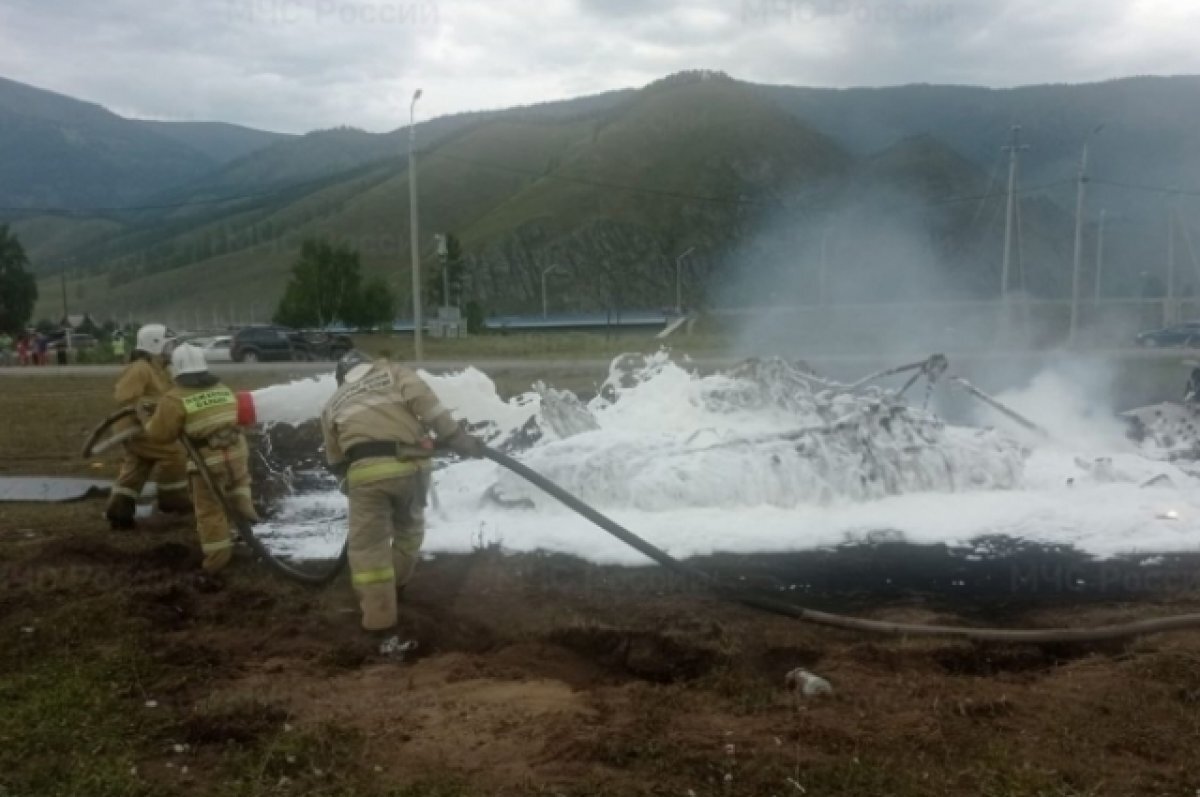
899, 192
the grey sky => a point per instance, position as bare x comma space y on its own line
297, 65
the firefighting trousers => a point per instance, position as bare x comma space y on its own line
167, 463
231, 476
387, 527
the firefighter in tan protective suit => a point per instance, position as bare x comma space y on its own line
142, 383
380, 410
200, 407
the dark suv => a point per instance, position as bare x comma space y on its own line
264, 343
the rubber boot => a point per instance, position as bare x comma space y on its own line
119, 513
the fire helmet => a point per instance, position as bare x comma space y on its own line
153, 338
188, 359
351, 367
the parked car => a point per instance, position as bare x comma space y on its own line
324, 345
1185, 334
273, 342
266, 343
218, 349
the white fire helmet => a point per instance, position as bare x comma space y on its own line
153, 338
188, 359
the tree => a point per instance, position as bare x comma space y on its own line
324, 286
18, 288
374, 306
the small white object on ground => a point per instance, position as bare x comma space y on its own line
393, 648
802, 681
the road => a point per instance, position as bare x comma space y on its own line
312, 369
831, 362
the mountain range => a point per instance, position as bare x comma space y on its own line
781, 195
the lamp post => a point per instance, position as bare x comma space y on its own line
679, 280
418, 350
545, 305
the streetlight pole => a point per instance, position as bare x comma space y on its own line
679, 280
1077, 265
545, 305
418, 349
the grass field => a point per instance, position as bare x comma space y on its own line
122, 675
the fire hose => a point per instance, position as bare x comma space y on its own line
774, 606
245, 528
717, 587
97, 444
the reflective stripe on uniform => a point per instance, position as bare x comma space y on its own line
367, 577
125, 491
213, 547
239, 491
221, 461
171, 486
376, 471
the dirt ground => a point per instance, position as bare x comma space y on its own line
121, 673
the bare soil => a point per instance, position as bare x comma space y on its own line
122, 673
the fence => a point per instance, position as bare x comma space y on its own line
960, 326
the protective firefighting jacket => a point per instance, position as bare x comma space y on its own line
144, 380
389, 404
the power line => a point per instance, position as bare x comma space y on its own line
1153, 189
287, 189
593, 182
948, 200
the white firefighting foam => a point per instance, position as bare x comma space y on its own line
758, 460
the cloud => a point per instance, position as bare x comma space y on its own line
297, 65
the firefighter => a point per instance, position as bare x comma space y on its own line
140, 385
202, 408
379, 414
1191, 392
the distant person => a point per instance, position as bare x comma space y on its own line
23, 350
1191, 393
41, 344
202, 408
141, 385
379, 410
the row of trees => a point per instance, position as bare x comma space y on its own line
326, 286
18, 288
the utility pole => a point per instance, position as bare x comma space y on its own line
823, 273
443, 253
545, 304
1169, 307
1077, 265
1013, 148
679, 280
418, 349
1100, 253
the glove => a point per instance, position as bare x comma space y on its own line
466, 445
